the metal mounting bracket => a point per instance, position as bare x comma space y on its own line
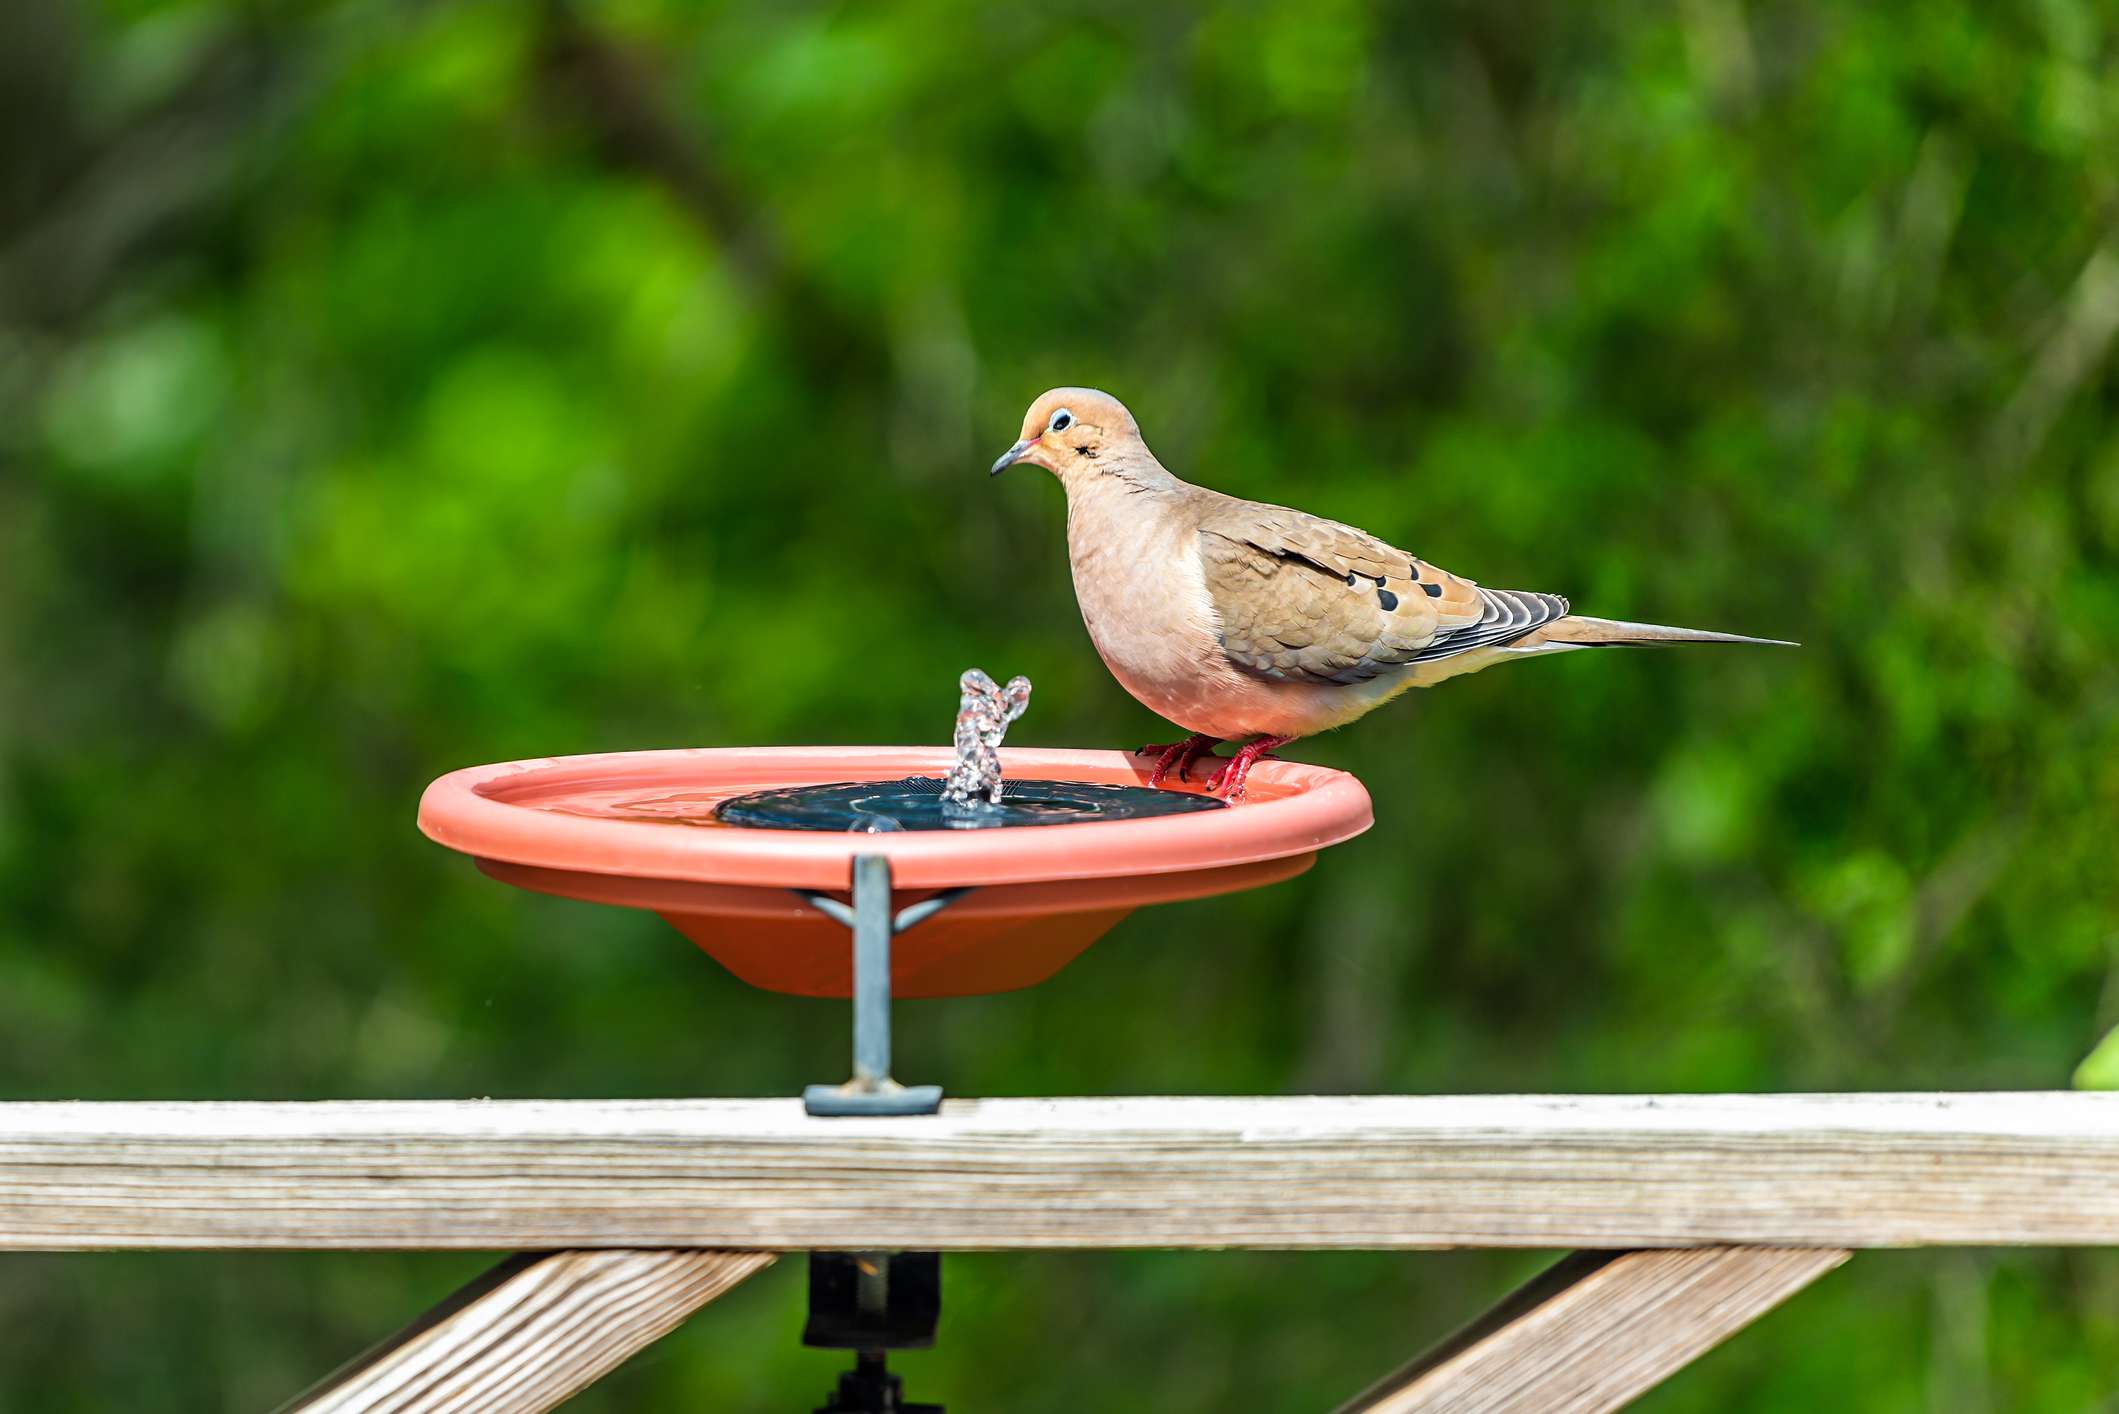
873, 922
872, 1303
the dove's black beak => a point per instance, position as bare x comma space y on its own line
1010, 457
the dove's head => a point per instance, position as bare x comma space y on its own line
1073, 431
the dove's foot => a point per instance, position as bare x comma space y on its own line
1180, 755
1229, 780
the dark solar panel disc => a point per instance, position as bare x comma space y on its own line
915, 803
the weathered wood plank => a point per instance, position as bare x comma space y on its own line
1500, 1171
530, 1333
1597, 1330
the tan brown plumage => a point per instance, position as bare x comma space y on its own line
1236, 619
1305, 599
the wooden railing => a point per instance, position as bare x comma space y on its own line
1701, 1211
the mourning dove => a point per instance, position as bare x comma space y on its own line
1236, 619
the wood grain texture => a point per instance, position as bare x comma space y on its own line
1482, 1171
532, 1332
1597, 1330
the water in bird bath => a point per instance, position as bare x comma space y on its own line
971, 797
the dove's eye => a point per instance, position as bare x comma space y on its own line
1061, 421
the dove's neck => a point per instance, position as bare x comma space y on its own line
1127, 472
1120, 502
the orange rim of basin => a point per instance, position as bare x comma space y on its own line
636, 828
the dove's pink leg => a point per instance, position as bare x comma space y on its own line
1229, 780
1179, 754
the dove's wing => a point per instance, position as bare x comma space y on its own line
1308, 600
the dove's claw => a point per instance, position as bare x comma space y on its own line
1229, 780
1178, 754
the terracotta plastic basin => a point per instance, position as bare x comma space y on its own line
637, 828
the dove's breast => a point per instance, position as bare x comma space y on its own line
1143, 596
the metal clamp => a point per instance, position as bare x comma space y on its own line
871, 1091
872, 1303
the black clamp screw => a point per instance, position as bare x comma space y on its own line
872, 1303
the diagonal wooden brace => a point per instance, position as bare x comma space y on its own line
1597, 1329
532, 1332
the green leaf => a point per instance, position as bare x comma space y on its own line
2100, 1068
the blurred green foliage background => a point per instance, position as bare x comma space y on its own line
387, 387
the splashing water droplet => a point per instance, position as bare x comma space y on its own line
983, 714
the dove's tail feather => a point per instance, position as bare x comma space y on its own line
1581, 631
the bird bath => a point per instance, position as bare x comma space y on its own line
765, 857
640, 829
